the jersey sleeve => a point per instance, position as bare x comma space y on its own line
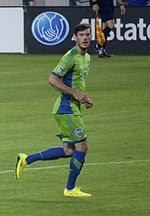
64, 66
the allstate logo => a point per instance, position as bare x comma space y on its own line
50, 28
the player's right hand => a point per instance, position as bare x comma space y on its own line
80, 96
88, 104
83, 98
96, 8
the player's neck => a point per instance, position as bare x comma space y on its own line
80, 50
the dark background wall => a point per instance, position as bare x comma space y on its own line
131, 34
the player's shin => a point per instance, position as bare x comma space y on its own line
76, 164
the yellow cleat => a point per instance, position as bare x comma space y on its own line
20, 165
76, 193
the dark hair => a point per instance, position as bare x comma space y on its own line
81, 27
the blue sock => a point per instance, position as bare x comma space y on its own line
76, 164
49, 154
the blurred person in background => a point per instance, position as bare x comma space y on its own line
137, 2
105, 10
28, 2
74, 2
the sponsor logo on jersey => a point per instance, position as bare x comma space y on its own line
50, 28
60, 69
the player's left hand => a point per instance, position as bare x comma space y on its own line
88, 104
96, 8
122, 9
148, 3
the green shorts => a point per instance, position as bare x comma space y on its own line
72, 129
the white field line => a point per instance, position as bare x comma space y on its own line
87, 164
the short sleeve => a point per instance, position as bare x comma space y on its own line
64, 65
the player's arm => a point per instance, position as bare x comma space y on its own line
58, 84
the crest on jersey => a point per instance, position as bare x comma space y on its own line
79, 132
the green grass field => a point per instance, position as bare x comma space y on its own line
117, 169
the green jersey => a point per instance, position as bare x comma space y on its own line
73, 69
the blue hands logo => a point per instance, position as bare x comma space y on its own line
50, 28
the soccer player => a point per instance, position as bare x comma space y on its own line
69, 78
105, 10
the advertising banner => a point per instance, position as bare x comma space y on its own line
50, 29
11, 30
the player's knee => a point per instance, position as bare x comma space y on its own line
68, 151
110, 24
82, 146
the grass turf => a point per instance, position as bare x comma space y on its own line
118, 129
